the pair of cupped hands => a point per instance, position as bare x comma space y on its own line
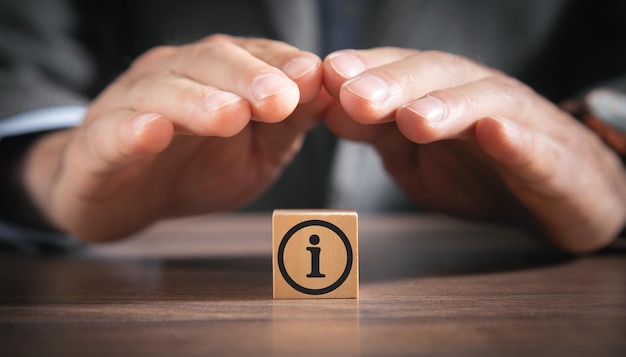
208, 126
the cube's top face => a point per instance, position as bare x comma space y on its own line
314, 212
315, 254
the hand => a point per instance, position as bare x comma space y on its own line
193, 129
470, 141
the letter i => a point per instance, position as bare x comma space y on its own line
315, 258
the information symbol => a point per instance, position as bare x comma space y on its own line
315, 253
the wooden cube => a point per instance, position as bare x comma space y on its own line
315, 254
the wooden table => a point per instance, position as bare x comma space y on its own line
203, 286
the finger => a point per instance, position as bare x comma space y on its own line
487, 111
392, 146
532, 160
546, 175
194, 108
109, 144
452, 113
342, 65
526, 153
96, 165
222, 64
304, 68
281, 141
340, 124
374, 95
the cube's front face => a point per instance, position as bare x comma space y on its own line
315, 254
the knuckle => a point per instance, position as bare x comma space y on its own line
441, 56
260, 43
510, 90
209, 46
139, 93
155, 54
295, 54
191, 98
137, 97
390, 74
249, 74
216, 38
506, 83
456, 101
455, 65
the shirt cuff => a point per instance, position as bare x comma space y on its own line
27, 239
35, 242
42, 120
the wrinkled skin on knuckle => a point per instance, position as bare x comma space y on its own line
153, 56
217, 38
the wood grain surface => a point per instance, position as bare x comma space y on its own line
203, 287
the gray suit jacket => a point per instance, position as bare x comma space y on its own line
56, 52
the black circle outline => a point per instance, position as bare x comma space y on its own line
281, 261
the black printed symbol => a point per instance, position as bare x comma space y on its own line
281, 259
315, 258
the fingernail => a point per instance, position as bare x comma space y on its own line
370, 88
270, 84
300, 66
346, 64
142, 120
429, 107
214, 101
